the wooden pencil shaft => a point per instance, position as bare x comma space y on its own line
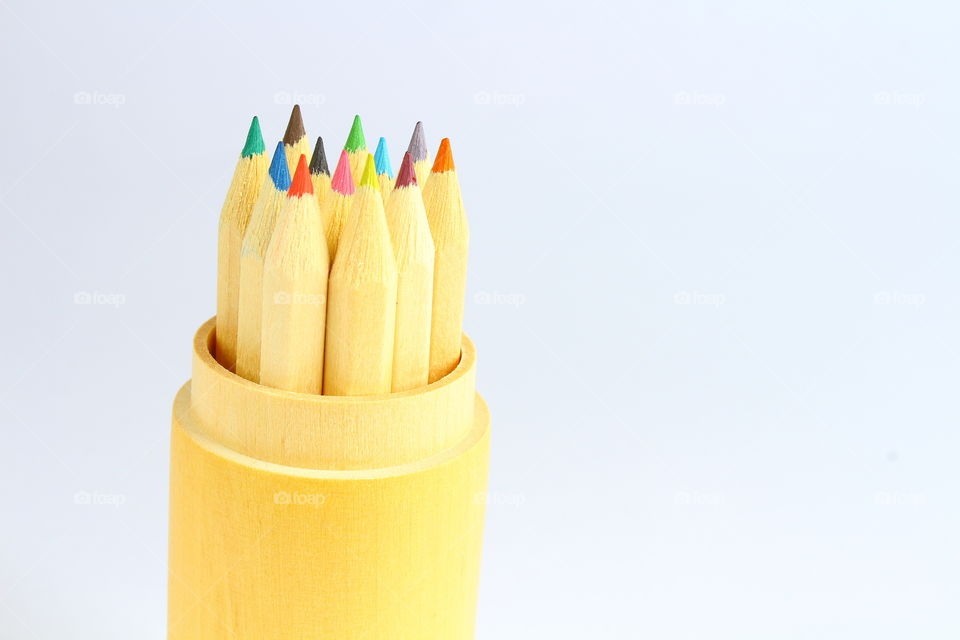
295, 150
451, 237
357, 161
234, 217
294, 299
250, 295
414, 253
362, 294
422, 169
339, 211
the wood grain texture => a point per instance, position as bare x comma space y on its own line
295, 293
358, 160
277, 553
414, 253
362, 294
235, 215
329, 432
250, 295
386, 187
451, 239
293, 151
321, 190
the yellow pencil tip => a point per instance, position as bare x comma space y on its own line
369, 178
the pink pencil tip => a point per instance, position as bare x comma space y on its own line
342, 180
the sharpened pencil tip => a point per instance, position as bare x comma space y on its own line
318, 163
382, 158
407, 175
444, 160
356, 141
342, 180
369, 178
418, 144
254, 143
295, 129
279, 171
301, 179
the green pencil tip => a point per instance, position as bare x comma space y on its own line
356, 141
254, 142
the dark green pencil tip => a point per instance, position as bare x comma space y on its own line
254, 142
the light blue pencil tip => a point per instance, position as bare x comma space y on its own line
382, 158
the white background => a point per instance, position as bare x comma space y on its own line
713, 288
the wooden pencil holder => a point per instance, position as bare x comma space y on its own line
301, 516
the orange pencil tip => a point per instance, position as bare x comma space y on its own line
444, 160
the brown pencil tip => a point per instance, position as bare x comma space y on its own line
295, 129
444, 160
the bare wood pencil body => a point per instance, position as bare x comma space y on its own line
341, 203
451, 239
362, 295
320, 176
295, 293
234, 217
414, 253
273, 196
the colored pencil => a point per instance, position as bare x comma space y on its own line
234, 217
262, 222
451, 238
295, 142
320, 175
356, 146
414, 252
341, 202
418, 150
362, 298
295, 293
384, 171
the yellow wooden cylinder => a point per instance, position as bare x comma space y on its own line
366, 523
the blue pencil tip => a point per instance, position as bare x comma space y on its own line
279, 171
382, 159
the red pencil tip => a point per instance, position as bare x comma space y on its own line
444, 160
301, 179
407, 175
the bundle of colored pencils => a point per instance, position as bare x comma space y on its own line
350, 284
